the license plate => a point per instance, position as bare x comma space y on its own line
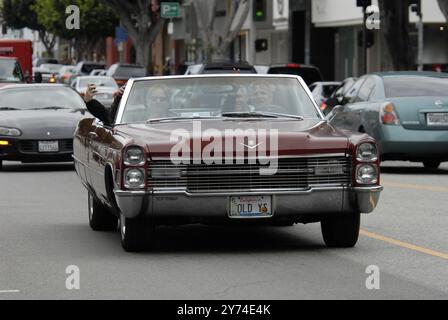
251, 207
48, 146
437, 119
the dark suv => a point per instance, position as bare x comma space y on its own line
310, 74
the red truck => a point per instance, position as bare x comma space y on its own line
20, 49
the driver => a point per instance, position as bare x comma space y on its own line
262, 95
157, 101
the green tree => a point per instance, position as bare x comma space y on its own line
96, 22
18, 14
142, 20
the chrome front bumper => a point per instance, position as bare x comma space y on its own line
180, 204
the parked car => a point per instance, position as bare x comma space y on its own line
40, 61
156, 164
310, 74
105, 86
84, 68
407, 112
217, 67
37, 122
339, 96
10, 72
66, 74
323, 90
48, 72
123, 72
98, 72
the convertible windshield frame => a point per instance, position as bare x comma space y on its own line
132, 82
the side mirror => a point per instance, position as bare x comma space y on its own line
336, 111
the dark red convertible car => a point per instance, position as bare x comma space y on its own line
224, 149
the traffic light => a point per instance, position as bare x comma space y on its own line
259, 10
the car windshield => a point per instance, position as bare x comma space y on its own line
98, 81
39, 98
130, 72
415, 86
10, 71
209, 97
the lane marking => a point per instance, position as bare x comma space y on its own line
404, 244
415, 187
9, 291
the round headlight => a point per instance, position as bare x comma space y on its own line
366, 174
10, 132
367, 152
134, 156
134, 179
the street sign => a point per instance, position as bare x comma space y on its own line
121, 34
170, 10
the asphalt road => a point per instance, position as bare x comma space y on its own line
43, 229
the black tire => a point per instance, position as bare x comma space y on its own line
341, 231
100, 218
137, 235
431, 164
1, 165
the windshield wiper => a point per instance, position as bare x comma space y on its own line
8, 108
178, 119
260, 115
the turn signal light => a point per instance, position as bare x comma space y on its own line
4, 143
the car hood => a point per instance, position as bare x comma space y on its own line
42, 124
294, 137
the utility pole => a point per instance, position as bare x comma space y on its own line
364, 4
416, 6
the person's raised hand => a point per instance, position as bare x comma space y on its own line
90, 93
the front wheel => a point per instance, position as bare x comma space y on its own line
431, 164
341, 231
100, 219
137, 235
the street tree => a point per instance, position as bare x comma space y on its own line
19, 14
395, 26
216, 40
96, 22
141, 19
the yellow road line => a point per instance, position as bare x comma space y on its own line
404, 244
414, 187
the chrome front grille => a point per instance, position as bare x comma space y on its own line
292, 174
